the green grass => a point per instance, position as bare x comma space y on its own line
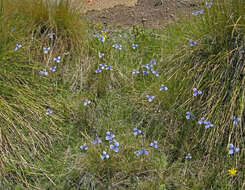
42, 152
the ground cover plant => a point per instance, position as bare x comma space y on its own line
94, 107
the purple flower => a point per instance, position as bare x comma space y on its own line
142, 151
102, 66
114, 145
45, 50
233, 149
198, 12
117, 46
192, 43
188, 156
235, 120
84, 147
153, 62
145, 72
209, 3
109, 136
104, 155
101, 55
208, 124
134, 46
150, 98
57, 59
53, 69
17, 47
189, 115
43, 72
163, 87
86, 102
148, 67
97, 141
154, 144
108, 67
137, 131
48, 111
101, 38
135, 72
196, 92
51, 35
155, 73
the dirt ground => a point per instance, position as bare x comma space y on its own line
105, 4
125, 13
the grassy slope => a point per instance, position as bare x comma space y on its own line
118, 102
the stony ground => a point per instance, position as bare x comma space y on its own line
124, 13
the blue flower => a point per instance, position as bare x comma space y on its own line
189, 115
145, 72
101, 38
48, 111
134, 46
101, 55
117, 46
192, 43
208, 124
198, 12
84, 147
13, 29
163, 87
209, 3
188, 156
135, 72
43, 72
233, 149
104, 155
53, 69
109, 136
17, 47
45, 50
235, 120
155, 73
154, 144
148, 67
196, 92
142, 151
201, 121
108, 67
97, 140
51, 35
98, 70
150, 98
57, 59
114, 146
102, 66
153, 62
86, 102
137, 131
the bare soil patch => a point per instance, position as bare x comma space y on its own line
106, 4
124, 13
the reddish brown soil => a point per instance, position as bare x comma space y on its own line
148, 12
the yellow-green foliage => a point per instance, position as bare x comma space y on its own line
119, 103
26, 131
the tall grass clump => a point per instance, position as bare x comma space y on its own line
33, 102
206, 52
212, 62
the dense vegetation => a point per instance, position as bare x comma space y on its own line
168, 106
